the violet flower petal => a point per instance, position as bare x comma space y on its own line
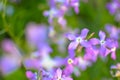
59, 73
84, 33
68, 70
70, 36
102, 35
102, 51
73, 45
113, 55
94, 41
90, 54
29, 74
67, 78
71, 53
85, 44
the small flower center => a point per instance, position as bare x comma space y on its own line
102, 42
59, 79
70, 61
113, 49
78, 39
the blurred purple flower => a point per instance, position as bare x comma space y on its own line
112, 45
9, 64
74, 4
9, 47
82, 63
73, 65
52, 13
114, 9
31, 76
11, 60
113, 6
58, 8
60, 39
113, 31
44, 75
69, 68
55, 13
31, 63
60, 76
36, 34
42, 58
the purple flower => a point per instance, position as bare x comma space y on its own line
113, 6
113, 31
55, 13
9, 47
106, 45
9, 64
62, 21
31, 76
101, 42
42, 59
91, 54
74, 4
76, 40
82, 63
31, 63
60, 76
114, 9
36, 34
112, 45
72, 67
69, 69
51, 14
46, 75
11, 59
58, 8
46, 62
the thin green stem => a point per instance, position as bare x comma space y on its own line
90, 35
5, 24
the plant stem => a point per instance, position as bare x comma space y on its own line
5, 24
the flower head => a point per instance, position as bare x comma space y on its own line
60, 76
76, 40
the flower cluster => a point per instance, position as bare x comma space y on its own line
56, 75
49, 68
58, 8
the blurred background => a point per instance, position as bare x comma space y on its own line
19, 14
